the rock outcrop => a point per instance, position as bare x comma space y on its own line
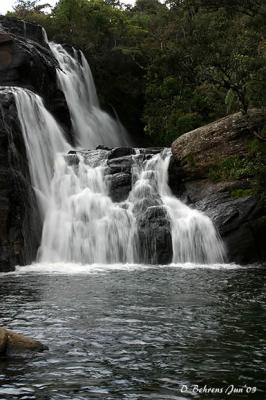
200, 149
155, 237
214, 170
12, 342
26, 61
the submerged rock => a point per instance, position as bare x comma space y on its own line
12, 342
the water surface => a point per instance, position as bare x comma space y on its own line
132, 332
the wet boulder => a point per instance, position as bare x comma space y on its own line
154, 236
239, 222
120, 164
121, 152
119, 186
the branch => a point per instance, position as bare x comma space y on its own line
255, 133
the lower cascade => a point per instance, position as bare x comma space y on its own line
104, 206
84, 225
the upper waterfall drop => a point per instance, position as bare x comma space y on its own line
92, 125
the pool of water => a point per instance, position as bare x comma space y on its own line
135, 332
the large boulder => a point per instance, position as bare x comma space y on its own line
231, 198
119, 185
154, 236
197, 150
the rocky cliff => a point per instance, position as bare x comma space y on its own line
20, 225
221, 169
25, 61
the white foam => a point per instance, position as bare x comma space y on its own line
87, 269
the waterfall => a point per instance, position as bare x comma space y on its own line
83, 224
92, 126
43, 139
194, 236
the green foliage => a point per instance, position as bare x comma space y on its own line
231, 101
242, 192
231, 168
251, 169
166, 68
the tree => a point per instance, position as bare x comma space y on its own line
27, 8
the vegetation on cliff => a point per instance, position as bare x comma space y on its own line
165, 68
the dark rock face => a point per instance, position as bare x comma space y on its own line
240, 221
20, 225
155, 239
121, 152
119, 186
26, 61
121, 164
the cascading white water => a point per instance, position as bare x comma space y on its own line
92, 126
83, 224
194, 236
43, 139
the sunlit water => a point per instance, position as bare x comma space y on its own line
135, 332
